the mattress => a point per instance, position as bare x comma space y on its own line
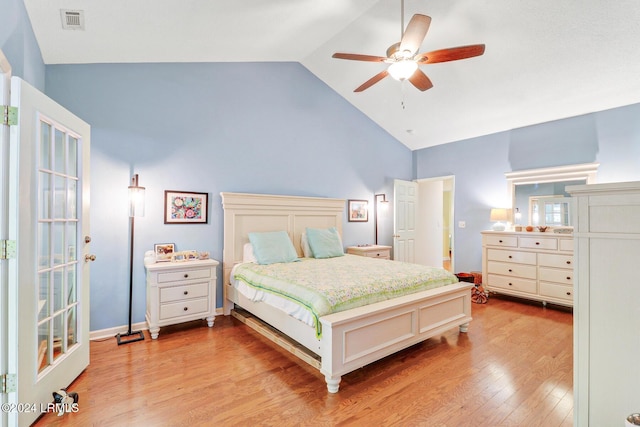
311, 288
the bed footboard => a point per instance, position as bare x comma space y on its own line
365, 335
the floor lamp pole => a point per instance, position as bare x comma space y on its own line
131, 336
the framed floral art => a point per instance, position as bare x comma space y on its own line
183, 207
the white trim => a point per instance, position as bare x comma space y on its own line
101, 334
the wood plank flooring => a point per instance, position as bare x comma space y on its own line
513, 368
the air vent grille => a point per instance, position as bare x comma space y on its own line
72, 19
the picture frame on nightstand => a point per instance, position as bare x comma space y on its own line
164, 251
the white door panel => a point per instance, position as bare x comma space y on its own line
404, 235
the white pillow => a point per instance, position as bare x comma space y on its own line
247, 253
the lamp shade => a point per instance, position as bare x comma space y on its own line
402, 69
499, 214
136, 198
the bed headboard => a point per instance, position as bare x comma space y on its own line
245, 213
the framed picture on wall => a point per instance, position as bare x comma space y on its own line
184, 207
358, 211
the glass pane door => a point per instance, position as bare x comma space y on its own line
57, 237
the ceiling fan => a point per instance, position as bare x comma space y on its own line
404, 59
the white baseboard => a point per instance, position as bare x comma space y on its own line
112, 332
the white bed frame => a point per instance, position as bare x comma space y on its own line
350, 339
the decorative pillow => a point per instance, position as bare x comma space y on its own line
304, 243
325, 243
247, 253
272, 247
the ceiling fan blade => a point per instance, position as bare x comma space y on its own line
451, 54
420, 80
358, 57
415, 33
373, 80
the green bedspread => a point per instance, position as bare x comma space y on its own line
331, 285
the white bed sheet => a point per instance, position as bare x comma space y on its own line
256, 295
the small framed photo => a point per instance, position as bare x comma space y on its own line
164, 251
183, 207
358, 211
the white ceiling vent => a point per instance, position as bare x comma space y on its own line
72, 19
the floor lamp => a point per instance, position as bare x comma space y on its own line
136, 208
384, 202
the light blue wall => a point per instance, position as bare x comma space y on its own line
18, 43
251, 127
611, 138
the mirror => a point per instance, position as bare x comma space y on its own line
538, 196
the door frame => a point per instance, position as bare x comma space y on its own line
449, 184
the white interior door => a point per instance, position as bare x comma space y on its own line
405, 197
52, 220
429, 224
5, 264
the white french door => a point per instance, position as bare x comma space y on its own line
52, 220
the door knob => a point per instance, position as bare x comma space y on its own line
87, 239
88, 258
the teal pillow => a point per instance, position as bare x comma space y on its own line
325, 242
272, 247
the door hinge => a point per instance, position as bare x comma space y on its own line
9, 384
7, 249
9, 115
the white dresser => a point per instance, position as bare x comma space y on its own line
607, 303
180, 292
529, 265
371, 251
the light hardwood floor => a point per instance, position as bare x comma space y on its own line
513, 368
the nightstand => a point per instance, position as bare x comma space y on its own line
371, 251
180, 292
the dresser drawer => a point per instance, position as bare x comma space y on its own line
566, 245
513, 270
539, 243
511, 256
556, 291
552, 260
513, 284
174, 276
506, 241
177, 293
184, 308
556, 275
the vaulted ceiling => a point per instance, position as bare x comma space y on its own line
544, 60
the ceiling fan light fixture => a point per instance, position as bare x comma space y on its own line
402, 70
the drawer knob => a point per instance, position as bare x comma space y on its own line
568, 293
186, 275
499, 241
510, 284
186, 292
186, 308
510, 271
537, 243
569, 262
568, 277
510, 257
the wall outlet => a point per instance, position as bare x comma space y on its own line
462, 224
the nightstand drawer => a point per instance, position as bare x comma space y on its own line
184, 308
511, 256
513, 270
174, 276
513, 283
556, 291
556, 275
378, 254
553, 260
177, 293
